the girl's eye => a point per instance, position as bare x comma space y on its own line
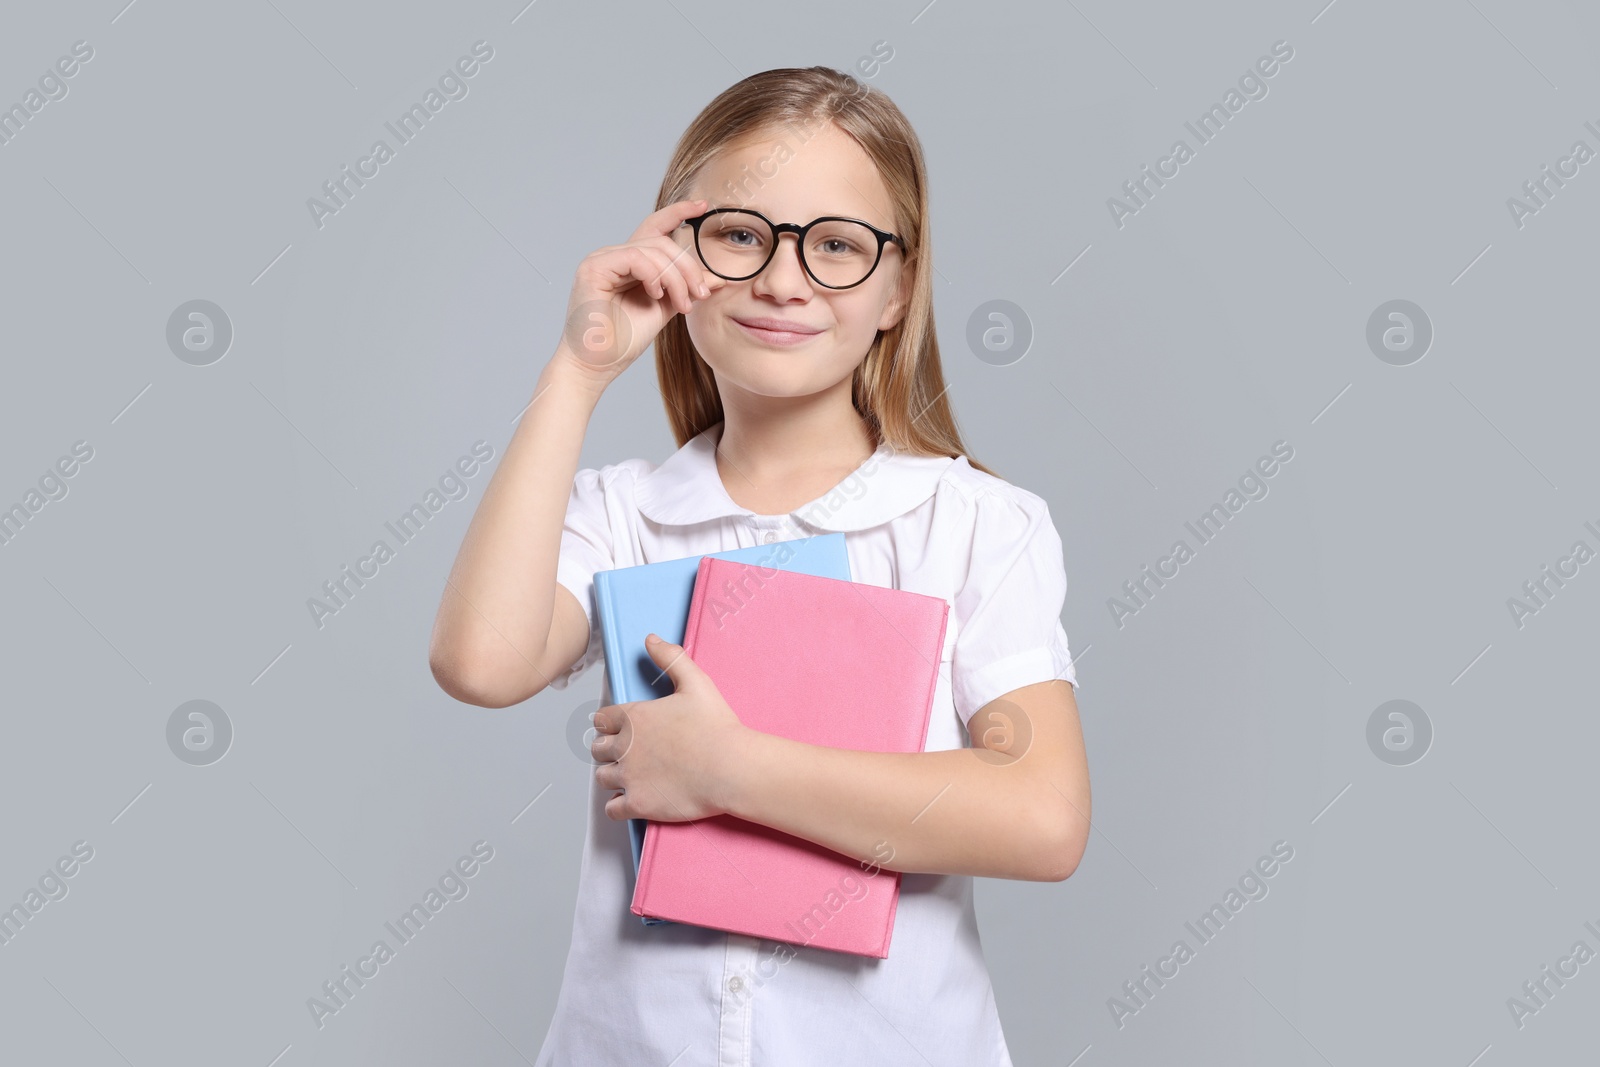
837, 246
739, 237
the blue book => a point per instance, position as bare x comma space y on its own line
654, 598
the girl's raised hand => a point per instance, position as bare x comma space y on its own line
624, 294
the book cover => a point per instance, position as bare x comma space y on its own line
822, 660
654, 598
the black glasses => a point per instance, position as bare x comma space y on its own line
838, 253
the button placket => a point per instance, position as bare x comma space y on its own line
734, 1021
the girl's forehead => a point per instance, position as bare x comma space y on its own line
784, 172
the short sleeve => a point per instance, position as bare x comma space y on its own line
1009, 606
586, 548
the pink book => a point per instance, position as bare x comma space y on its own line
822, 660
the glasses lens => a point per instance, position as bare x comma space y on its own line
735, 244
841, 253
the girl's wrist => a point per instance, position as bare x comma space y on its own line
563, 375
739, 770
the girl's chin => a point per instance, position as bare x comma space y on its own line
800, 378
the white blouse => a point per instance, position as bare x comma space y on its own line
687, 996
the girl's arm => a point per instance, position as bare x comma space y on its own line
505, 626
1016, 805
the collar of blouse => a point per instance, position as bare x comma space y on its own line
686, 488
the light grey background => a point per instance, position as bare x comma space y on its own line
369, 354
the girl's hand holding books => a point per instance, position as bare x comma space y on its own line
668, 757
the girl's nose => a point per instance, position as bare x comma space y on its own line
784, 278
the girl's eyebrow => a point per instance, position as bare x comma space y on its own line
768, 214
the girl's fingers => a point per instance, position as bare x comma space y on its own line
626, 266
701, 281
663, 268
662, 280
630, 265
685, 263
669, 218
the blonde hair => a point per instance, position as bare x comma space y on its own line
898, 389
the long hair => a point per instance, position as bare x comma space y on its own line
899, 388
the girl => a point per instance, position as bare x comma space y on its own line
786, 282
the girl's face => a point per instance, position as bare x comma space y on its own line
829, 174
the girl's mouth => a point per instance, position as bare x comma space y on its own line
777, 331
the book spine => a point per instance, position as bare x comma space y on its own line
702, 582
894, 905
927, 712
641, 877
616, 667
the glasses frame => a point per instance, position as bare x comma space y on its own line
779, 229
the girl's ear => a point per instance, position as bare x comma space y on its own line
899, 300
